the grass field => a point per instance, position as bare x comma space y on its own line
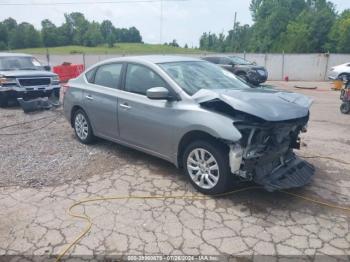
122, 48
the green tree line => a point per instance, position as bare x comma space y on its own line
76, 30
293, 26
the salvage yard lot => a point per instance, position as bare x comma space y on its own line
45, 171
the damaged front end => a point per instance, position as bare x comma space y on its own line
265, 154
267, 157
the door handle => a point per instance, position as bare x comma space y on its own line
125, 106
89, 97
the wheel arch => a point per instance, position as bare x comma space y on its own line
193, 136
73, 111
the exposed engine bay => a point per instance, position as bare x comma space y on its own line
265, 154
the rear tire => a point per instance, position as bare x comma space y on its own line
345, 108
82, 127
206, 164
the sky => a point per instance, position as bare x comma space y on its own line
183, 20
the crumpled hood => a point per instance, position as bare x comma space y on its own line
27, 73
270, 105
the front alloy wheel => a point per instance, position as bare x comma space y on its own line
207, 165
203, 168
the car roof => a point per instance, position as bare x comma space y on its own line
156, 59
215, 56
13, 54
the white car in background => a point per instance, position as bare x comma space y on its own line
339, 72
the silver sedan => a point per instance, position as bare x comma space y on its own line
197, 116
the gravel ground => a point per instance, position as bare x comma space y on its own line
52, 155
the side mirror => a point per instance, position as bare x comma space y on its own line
254, 63
158, 93
47, 68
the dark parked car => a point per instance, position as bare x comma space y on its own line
246, 70
22, 76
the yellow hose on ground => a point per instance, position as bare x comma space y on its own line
190, 197
326, 157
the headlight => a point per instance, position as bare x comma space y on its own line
261, 72
7, 81
55, 80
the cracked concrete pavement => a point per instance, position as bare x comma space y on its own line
34, 220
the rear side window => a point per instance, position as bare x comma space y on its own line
140, 78
108, 75
90, 75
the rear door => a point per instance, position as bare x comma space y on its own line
101, 99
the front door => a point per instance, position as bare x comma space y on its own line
144, 122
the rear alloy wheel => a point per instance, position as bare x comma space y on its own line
207, 166
345, 108
82, 127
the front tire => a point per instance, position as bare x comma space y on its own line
206, 164
82, 127
345, 108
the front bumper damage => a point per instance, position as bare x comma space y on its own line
269, 122
294, 173
265, 155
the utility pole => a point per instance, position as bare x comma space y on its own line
235, 21
161, 22
234, 31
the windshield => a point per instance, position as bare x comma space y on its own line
194, 76
19, 63
239, 61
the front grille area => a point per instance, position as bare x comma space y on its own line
34, 81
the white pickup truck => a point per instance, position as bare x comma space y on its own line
22, 76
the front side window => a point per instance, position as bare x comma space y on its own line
196, 75
108, 75
140, 78
214, 60
225, 61
8, 63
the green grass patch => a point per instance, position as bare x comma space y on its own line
122, 48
